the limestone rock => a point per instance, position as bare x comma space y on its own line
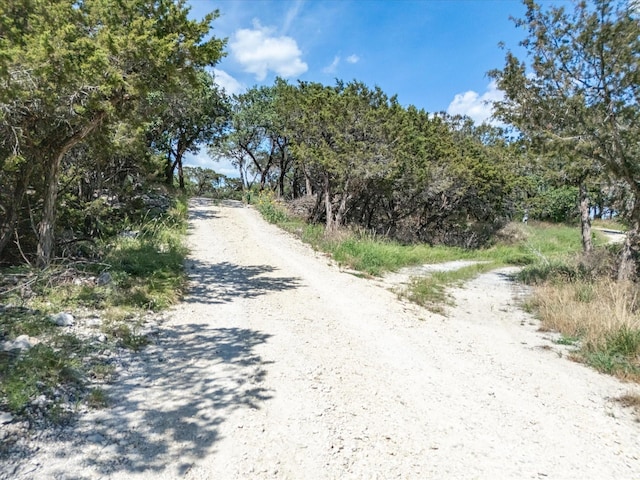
63, 319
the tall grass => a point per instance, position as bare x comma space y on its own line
375, 257
520, 245
603, 315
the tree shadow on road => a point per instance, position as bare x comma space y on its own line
200, 209
223, 282
169, 404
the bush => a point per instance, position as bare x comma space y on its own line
555, 205
600, 263
270, 209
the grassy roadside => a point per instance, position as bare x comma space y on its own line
573, 295
518, 244
64, 368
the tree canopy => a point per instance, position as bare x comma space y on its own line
69, 68
577, 94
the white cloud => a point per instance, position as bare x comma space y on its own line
478, 107
258, 50
292, 13
334, 65
353, 58
227, 82
202, 159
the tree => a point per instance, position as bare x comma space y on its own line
205, 180
190, 117
579, 94
252, 139
340, 140
68, 67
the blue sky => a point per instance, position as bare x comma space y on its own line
433, 54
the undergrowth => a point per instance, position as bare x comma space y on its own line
138, 271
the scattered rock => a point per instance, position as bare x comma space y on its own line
129, 234
93, 322
40, 401
95, 438
21, 343
104, 279
5, 417
63, 319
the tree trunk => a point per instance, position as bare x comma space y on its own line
169, 166
47, 222
283, 172
52, 171
180, 173
307, 184
329, 223
585, 221
342, 206
627, 269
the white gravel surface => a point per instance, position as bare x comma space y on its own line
279, 365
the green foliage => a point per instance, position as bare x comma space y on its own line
371, 163
77, 83
126, 335
574, 99
555, 205
40, 370
192, 115
146, 272
376, 256
16, 321
431, 291
618, 355
270, 209
543, 247
564, 267
566, 340
97, 398
205, 182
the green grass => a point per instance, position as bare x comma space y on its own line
431, 291
16, 321
376, 257
567, 340
540, 247
38, 371
146, 273
618, 354
534, 243
97, 398
609, 225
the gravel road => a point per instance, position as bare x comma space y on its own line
279, 365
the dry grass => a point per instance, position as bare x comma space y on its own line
631, 400
589, 310
604, 315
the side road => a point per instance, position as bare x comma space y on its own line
279, 365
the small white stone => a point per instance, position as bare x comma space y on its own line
95, 438
40, 401
5, 417
23, 342
63, 319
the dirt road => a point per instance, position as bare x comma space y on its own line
278, 365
